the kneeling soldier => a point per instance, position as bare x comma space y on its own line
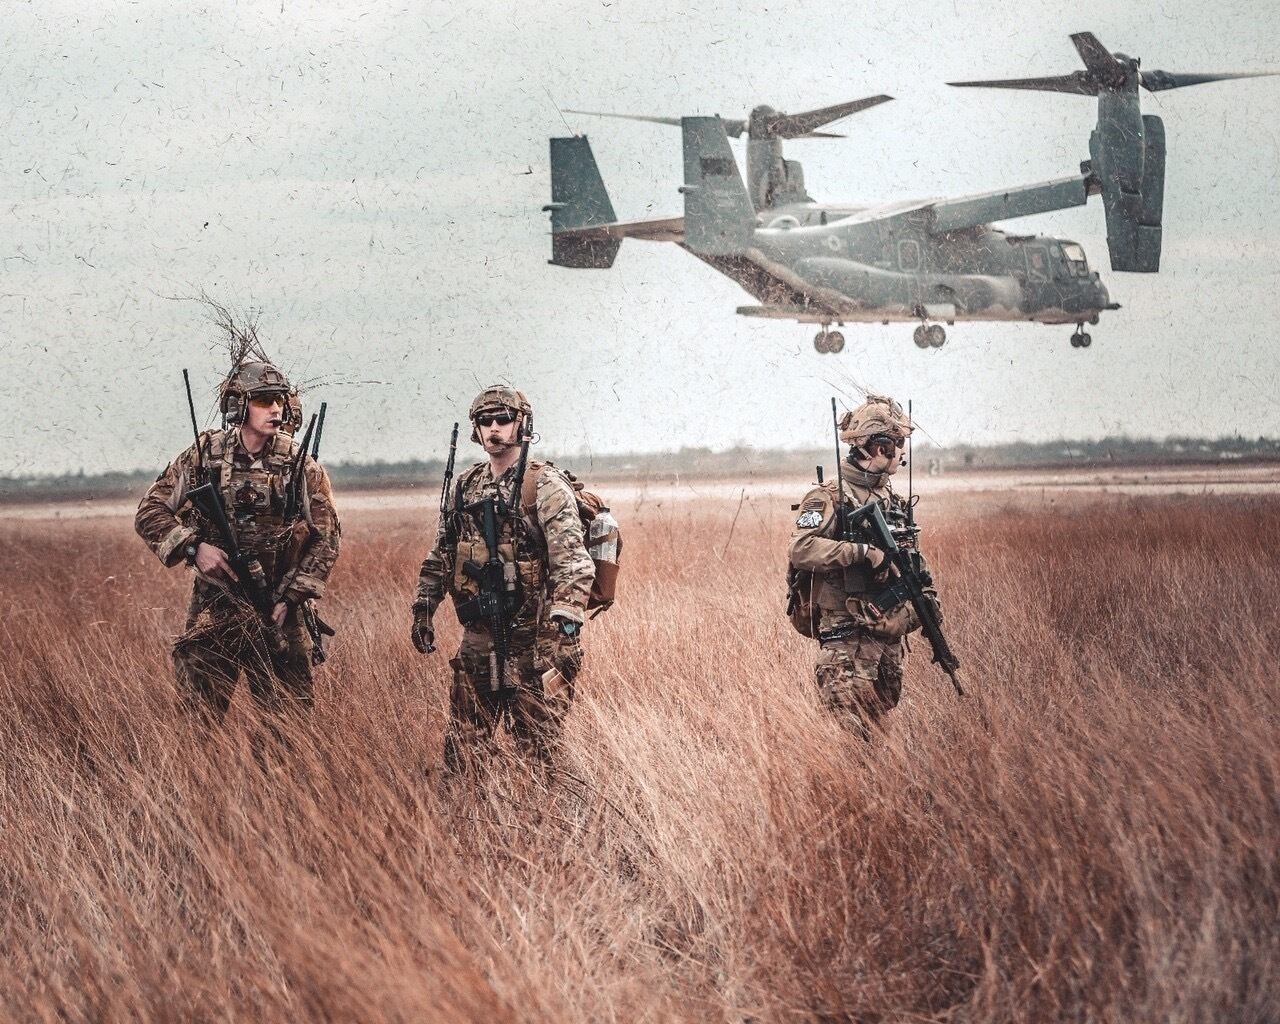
861, 653
250, 607
510, 552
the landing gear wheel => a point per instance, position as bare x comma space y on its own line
820, 341
1086, 340
937, 335
921, 337
1075, 340
835, 342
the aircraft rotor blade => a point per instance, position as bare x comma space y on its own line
628, 117
733, 126
1079, 83
1097, 58
1158, 81
1108, 72
805, 124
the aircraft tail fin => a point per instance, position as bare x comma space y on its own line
578, 200
718, 216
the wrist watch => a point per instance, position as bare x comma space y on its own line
189, 553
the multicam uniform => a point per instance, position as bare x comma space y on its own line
213, 651
555, 571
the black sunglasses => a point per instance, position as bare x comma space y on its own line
489, 419
885, 444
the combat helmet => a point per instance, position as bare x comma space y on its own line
256, 377
496, 398
878, 415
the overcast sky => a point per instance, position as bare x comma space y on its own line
370, 175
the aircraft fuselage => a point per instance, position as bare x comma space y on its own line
824, 265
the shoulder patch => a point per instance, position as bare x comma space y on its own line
814, 503
810, 518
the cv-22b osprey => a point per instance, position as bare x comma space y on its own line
928, 261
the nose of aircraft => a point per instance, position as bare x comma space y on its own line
1100, 290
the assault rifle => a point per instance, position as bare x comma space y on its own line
910, 584
206, 500
500, 596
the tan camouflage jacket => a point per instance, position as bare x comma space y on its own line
841, 575
549, 547
297, 557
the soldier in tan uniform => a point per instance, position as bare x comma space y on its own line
286, 528
861, 651
542, 535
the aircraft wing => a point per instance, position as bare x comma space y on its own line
1006, 204
668, 229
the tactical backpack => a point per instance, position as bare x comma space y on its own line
801, 608
600, 530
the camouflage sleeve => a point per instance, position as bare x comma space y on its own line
322, 550
813, 546
157, 519
437, 567
570, 571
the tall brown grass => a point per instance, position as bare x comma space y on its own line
1092, 836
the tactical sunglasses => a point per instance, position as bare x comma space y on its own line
885, 444
266, 401
488, 419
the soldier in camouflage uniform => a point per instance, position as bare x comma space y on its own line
861, 652
545, 540
252, 466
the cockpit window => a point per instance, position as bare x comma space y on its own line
1075, 259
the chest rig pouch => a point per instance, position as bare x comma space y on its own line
253, 494
486, 591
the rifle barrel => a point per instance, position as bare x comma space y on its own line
315, 445
448, 469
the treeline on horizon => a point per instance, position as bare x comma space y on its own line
738, 461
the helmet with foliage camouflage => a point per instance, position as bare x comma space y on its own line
877, 415
256, 377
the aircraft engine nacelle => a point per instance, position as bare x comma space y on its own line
1128, 153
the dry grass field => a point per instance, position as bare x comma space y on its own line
1093, 836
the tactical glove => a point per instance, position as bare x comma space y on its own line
568, 657
566, 652
422, 634
881, 566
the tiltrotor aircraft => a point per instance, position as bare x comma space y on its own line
931, 261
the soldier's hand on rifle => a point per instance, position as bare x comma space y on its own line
881, 567
279, 612
212, 562
422, 634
